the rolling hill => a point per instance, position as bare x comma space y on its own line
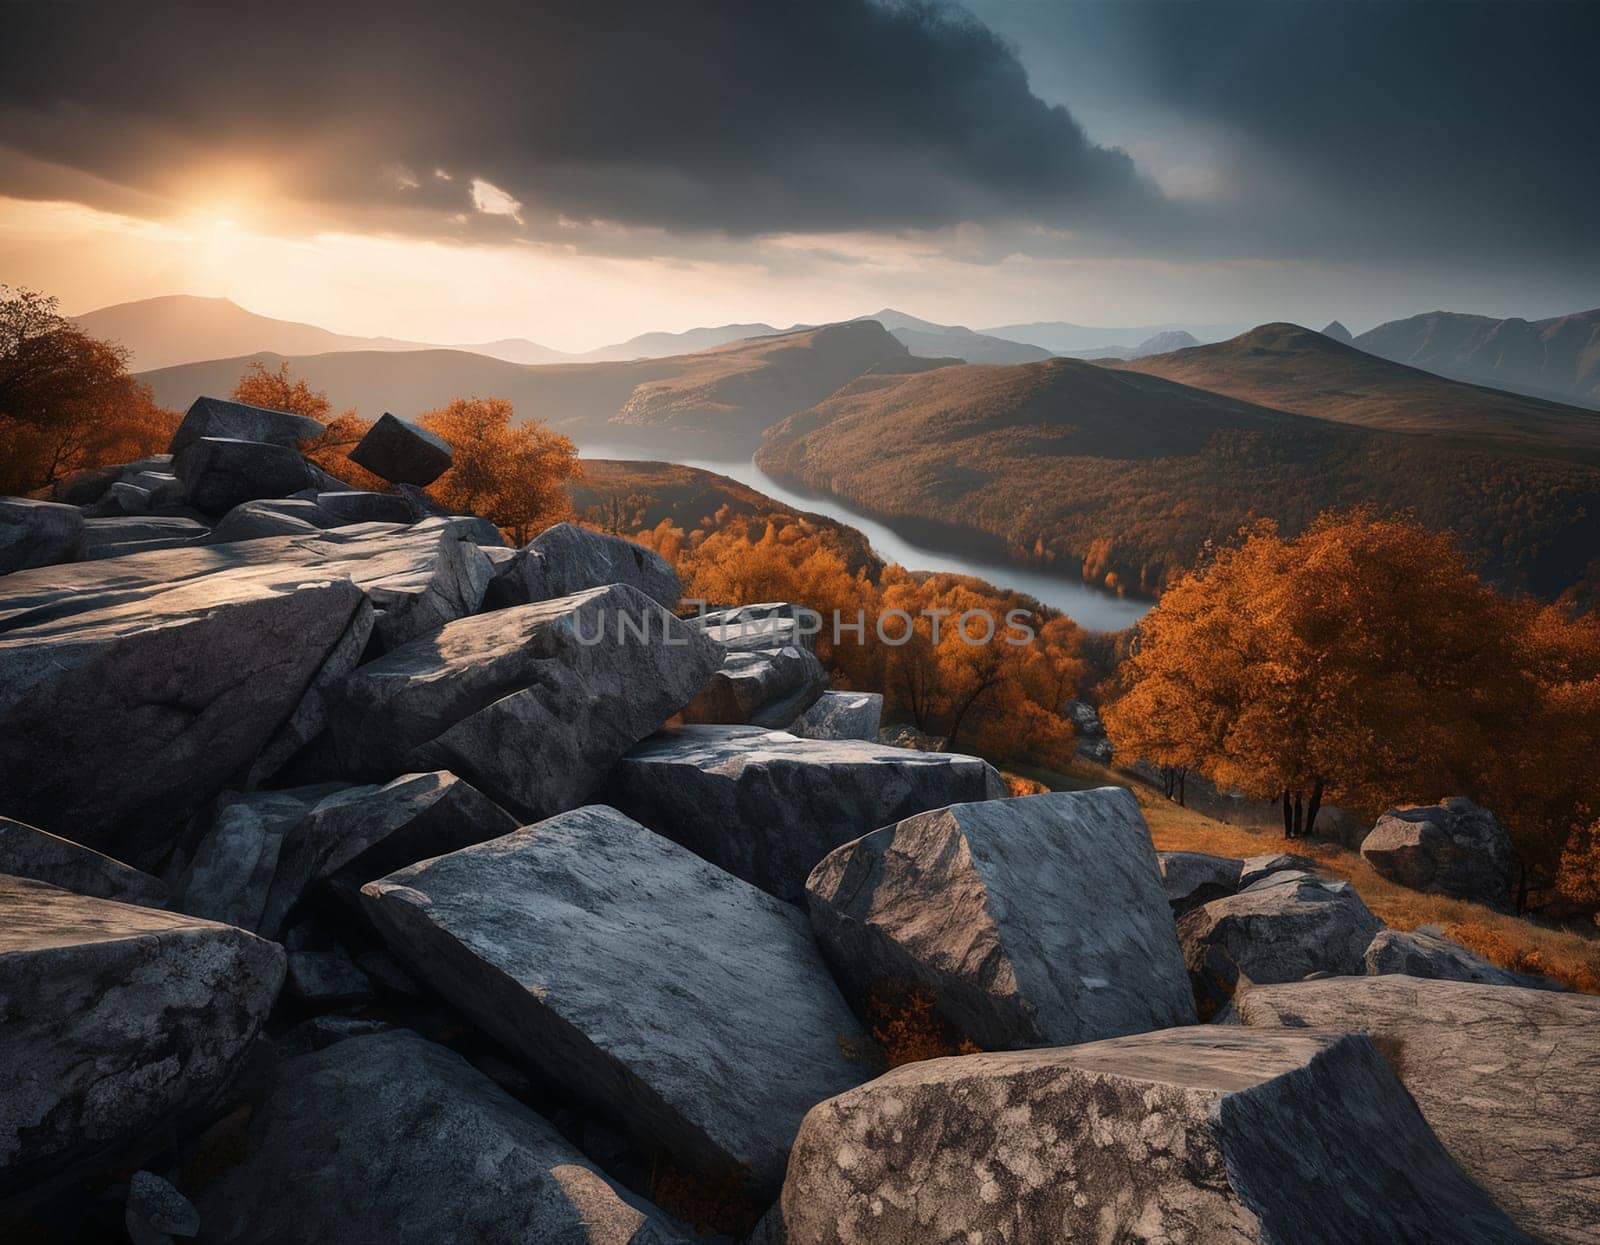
713, 403
1125, 477
1295, 369
1060, 337
181, 328
1558, 358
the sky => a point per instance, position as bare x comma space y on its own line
576, 173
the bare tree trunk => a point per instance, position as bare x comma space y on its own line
1314, 806
1288, 815
1183, 778
1299, 824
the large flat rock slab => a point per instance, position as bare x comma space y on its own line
389, 1139
1198, 1136
417, 578
1508, 1078
689, 1006
28, 852
767, 807
121, 713
532, 705
115, 1019
1038, 921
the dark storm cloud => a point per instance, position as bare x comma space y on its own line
743, 116
1357, 131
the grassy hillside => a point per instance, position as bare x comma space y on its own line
1120, 473
1294, 369
713, 403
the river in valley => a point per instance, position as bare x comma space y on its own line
1092, 608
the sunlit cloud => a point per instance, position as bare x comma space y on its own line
492, 201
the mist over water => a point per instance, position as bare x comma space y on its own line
1092, 608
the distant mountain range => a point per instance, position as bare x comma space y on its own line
1556, 358
714, 403
1295, 369
1059, 337
182, 328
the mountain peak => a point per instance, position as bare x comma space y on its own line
1336, 330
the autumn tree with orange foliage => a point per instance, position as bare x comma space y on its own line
280, 390
511, 474
67, 402
1365, 663
978, 690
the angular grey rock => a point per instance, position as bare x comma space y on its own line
117, 1018
266, 849
326, 975
124, 709
1427, 953
305, 724
253, 520
1090, 731
1181, 1136
532, 705
1509, 1079
104, 538
418, 578
689, 1005
403, 453
1454, 848
355, 506
219, 473
124, 498
389, 1139
1037, 921
767, 807
566, 558
239, 421
26, 852
1193, 878
770, 675
1275, 933
84, 488
37, 533
841, 715
1254, 868
158, 1207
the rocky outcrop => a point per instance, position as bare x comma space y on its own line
120, 711
389, 1139
531, 705
1030, 922
403, 453
265, 850
1279, 930
1194, 878
767, 807
1509, 1079
1177, 1136
840, 715
117, 1018
113, 538
26, 852
1253, 868
566, 558
341, 508
1453, 848
1090, 731
37, 533
770, 675
155, 1211
217, 417
1428, 954
732, 1028
219, 473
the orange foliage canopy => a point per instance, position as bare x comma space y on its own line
1365, 663
996, 698
66, 400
